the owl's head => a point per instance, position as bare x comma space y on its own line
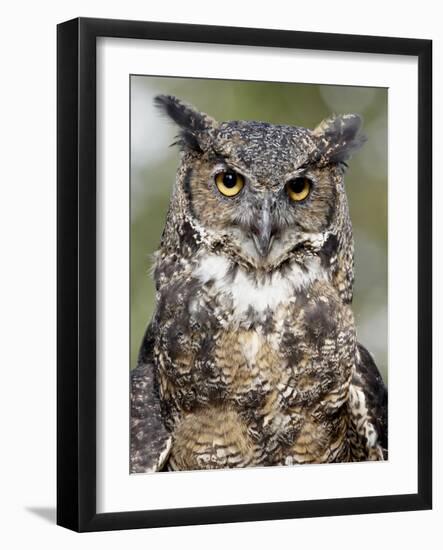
266, 193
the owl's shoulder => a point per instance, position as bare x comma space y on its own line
369, 401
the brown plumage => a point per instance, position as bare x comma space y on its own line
251, 357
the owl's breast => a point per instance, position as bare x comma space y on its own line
276, 355
246, 296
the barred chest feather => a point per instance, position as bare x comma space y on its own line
254, 370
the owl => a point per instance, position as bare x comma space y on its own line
251, 357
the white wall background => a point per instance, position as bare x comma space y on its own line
27, 274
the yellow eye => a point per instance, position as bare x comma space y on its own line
229, 183
298, 188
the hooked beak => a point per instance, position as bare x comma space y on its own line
262, 229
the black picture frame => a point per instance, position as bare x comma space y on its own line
76, 279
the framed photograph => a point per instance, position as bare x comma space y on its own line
244, 274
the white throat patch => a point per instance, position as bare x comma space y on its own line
273, 290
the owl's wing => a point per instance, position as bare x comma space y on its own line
369, 403
150, 440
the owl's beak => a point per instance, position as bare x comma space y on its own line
262, 229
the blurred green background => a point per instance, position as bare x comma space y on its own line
154, 163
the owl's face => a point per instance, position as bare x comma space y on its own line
264, 189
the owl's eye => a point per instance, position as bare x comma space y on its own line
229, 183
298, 188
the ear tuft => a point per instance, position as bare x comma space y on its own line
339, 137
194, 126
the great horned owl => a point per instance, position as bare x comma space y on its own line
251, 357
